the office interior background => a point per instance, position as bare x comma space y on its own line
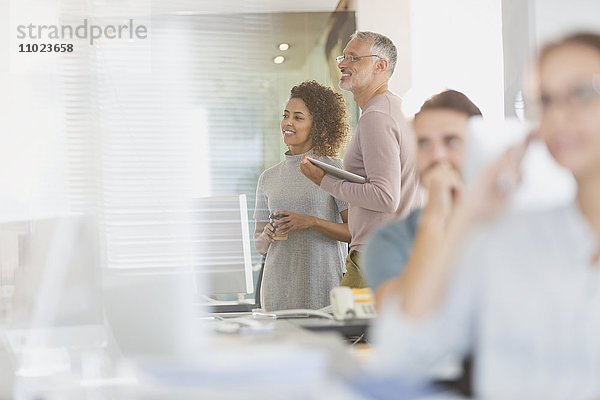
194, 110
129, 131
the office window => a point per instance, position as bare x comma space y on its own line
128, 134
202, 119
241, 91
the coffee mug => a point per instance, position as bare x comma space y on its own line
272, 219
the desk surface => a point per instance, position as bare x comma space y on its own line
348, 328
289, 360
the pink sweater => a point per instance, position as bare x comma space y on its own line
383, 151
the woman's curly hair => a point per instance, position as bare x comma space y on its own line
330, 128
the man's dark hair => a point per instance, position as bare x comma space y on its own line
450, 100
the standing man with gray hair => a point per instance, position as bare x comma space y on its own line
382, 148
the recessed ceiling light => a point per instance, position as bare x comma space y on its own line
279, 59
284, 46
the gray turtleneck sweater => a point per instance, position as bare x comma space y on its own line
299, 272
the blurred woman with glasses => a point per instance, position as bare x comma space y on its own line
523, 296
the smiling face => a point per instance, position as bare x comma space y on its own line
360, 73
295, 126
441, 137
570, 112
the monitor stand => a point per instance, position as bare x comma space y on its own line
221, 306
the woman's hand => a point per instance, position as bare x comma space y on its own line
293, 222
268, 233
263, 236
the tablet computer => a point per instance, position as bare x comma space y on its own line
337, 172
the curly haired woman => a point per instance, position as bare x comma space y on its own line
299, 272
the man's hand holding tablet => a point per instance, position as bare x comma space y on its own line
315, 170
311, 171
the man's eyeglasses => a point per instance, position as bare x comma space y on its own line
339, 59
577, 96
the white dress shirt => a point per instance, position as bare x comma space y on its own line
525, 303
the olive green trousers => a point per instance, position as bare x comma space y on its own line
353, 277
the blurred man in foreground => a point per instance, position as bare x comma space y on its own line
441, 130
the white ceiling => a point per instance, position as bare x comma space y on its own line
241, 6
252, 39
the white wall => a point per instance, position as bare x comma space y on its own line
393, 19
458, 45
554, 18
442, 44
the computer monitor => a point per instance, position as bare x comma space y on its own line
57, 302
57, 273
152, 314
221, 245
68, 311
